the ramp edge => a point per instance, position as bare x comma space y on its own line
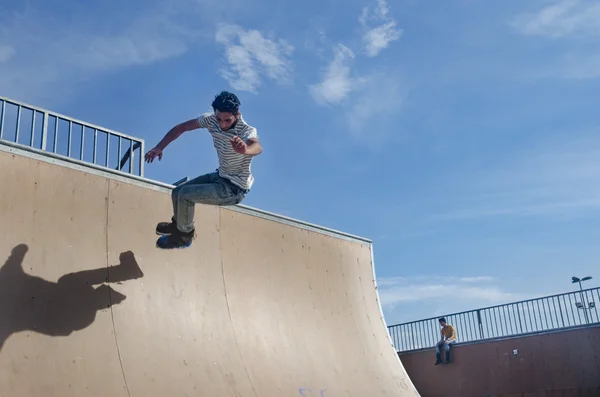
123, 177
384, 322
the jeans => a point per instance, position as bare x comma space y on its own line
446, 346
210, 189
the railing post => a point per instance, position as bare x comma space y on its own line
132, 156
2, 118
82, 146
584, 303
44, 130
70, 138
480, 323
108, 150
32, 137
95, 146
18, 124
142, 153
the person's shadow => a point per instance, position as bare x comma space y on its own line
30, 303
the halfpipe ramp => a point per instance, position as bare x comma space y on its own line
259, 306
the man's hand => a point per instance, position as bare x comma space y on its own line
153, 153
238, 145
252, 148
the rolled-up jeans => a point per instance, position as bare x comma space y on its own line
210, 189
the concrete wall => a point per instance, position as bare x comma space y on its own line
565, 363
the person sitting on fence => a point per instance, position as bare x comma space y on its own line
448, 338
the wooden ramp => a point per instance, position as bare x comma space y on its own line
259, 306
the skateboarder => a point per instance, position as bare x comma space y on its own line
236, 143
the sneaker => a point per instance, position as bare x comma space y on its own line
166, 228
176, 240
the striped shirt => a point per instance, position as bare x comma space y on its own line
232, 165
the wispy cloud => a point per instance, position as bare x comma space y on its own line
379, 100
476, 279
41, 52
564, 18
394, 281
250, 56
369, 100
559, 179
377, 38
445, 293
574, 22
338, 79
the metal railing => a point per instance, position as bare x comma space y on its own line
28, 125
549, 313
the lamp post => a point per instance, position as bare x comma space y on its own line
583, 304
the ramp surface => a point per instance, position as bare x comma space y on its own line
258, 306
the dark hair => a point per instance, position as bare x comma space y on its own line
441, 319
226, 102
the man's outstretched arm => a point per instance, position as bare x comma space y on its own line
170, 136
176, 132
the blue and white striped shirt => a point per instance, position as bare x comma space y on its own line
232, 165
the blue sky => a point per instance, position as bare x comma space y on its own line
463, 137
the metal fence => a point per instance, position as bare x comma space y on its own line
543, 314
23, 124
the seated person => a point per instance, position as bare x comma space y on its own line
448, 338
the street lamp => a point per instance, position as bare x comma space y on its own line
578, 280
581, 305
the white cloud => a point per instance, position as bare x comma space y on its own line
559, 179
448, 293
338, 80
379, 37
561, 19
250, 55
393, 281
63, 49
369, 101
574, 21
477, 279
379, 99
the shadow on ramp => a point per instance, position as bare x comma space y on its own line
30, 303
